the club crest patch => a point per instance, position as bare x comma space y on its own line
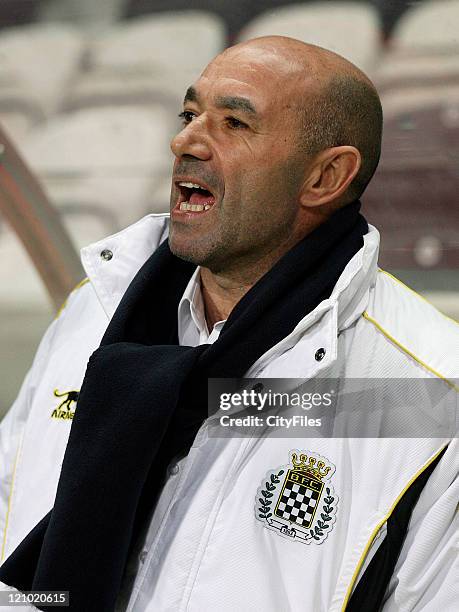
298, 500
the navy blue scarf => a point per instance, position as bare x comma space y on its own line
143, 400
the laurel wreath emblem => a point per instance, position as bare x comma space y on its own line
317, 532
264, 509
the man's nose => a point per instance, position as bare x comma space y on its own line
192, 140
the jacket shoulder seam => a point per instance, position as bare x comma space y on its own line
417, 295
78, 286
407, 351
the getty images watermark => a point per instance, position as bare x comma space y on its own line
379, 408
260, 400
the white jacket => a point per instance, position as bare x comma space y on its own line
212, 549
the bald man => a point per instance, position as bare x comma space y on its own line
167, 495
282, 134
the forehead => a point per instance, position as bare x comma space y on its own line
265, 78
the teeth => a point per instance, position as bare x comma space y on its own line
186, 206
191, 185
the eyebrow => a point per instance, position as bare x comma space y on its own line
191, 95
230, 102
236, 103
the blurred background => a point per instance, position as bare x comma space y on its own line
89, 98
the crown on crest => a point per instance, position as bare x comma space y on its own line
310, 466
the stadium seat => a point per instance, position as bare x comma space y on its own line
82, 12
42, 58
174, 47
19, 112
414, 208
100, 88
432, 24
104, 159
399, 69
423, 134
390, 12
413, 196
348, 28
234, 13
402, 100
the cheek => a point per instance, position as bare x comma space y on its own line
267, 180
246, 162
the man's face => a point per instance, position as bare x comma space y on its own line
239, 143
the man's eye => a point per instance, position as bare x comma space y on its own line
187, 117
235, 124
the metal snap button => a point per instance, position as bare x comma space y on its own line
320, 354
106, 254
143, 556
174, 469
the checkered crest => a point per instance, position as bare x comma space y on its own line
299, 499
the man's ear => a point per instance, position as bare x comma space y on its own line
329, 175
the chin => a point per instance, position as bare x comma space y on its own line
184, 252
205, 252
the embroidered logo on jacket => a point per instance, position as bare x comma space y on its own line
298, 500
64, 410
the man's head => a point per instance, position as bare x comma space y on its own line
279, 134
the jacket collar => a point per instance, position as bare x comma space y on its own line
131, 248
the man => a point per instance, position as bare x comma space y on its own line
269, 272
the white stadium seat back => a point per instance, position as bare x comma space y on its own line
399, 69
111, 158
349, 28
95, 139
84, 12
407, 99
431, 24
44, 58
19, 111
178, 41
121, 88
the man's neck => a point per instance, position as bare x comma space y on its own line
222, 291
220, 295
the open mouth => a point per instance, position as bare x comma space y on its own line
194, 197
